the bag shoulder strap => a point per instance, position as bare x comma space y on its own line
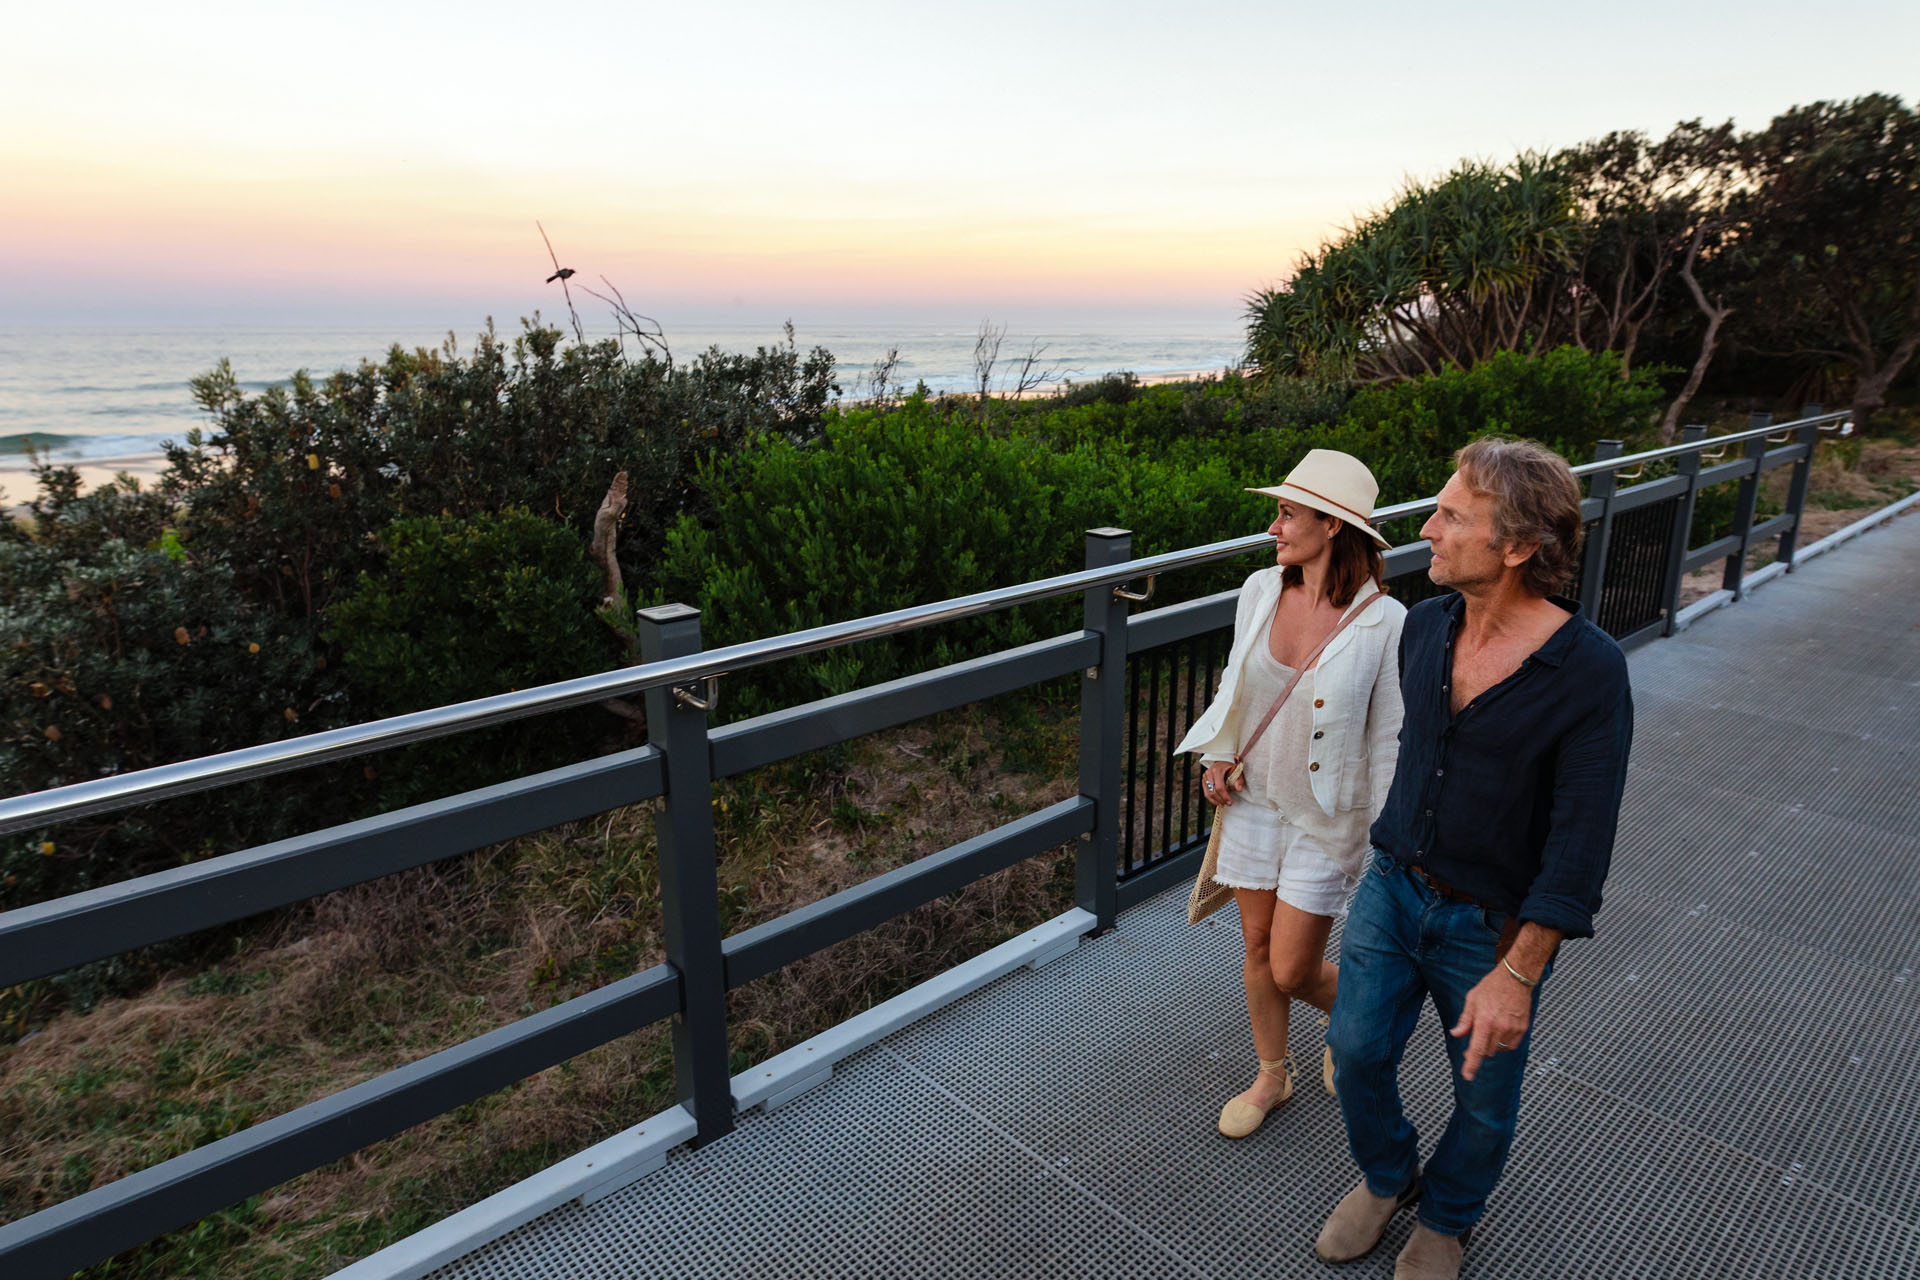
1287, 692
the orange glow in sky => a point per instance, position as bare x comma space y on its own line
241, 158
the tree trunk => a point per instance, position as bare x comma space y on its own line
1870, 391
1716, 315
1670, 424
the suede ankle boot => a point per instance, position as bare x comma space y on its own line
1359, 1220
1430, 1255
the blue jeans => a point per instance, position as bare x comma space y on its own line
1403, 943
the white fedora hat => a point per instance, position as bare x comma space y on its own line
1335, 484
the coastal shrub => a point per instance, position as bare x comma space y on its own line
1567, 399
130, 657
466, 608
1112, 388
289, 483
891, 509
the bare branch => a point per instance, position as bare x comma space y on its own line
647, 331
1716, 314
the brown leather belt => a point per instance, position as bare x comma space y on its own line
1445, 890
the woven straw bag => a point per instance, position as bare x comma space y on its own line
1209, 895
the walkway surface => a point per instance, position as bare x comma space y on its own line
1725, 1081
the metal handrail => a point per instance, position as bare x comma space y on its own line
104, 795
164, 782
1674, 450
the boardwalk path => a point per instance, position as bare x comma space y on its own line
1726, 1081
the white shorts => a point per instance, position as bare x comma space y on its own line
1259, 849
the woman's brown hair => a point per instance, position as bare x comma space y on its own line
1356, 562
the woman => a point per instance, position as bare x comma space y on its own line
1294, 822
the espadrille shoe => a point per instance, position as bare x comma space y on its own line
1240, 1117
1430, 1256
1359, 1220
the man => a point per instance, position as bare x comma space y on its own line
1492, 846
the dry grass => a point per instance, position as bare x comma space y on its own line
380, 975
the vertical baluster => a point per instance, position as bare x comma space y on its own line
1593, 567
1169, 739
1190, 661
1147, 847
1681, 531
1134, 850
1797, 488
1734, 578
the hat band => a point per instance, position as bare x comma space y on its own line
1340, 507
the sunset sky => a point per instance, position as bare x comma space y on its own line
357, 161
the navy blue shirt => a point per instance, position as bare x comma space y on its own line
1513, 801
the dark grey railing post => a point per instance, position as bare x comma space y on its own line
1593, 570
1688, 466
689, 892
1797, 487
1743, 508
1103, 712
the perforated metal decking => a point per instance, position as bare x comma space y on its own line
1724, 1082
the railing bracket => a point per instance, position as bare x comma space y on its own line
684, 695
1138, 597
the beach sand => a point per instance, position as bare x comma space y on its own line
17, 485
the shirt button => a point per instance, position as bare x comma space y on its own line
1429, 813
1319, 733
1319, 702
1439, 773
1314, 767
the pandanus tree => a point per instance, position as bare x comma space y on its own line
1800, 241
1448, 274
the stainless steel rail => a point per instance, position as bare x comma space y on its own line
1712, 442
105, 795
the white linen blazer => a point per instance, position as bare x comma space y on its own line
1356, 711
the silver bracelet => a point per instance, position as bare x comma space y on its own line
1518, 976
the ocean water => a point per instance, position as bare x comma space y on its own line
104, 398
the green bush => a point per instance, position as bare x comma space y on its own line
1567, 399
891, 509
467, 608
290, 482
128, 659
897, 507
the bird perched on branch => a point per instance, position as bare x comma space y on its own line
563, 274
560, 273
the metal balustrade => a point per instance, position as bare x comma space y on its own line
1137, 820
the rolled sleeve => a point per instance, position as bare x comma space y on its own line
1589, 777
